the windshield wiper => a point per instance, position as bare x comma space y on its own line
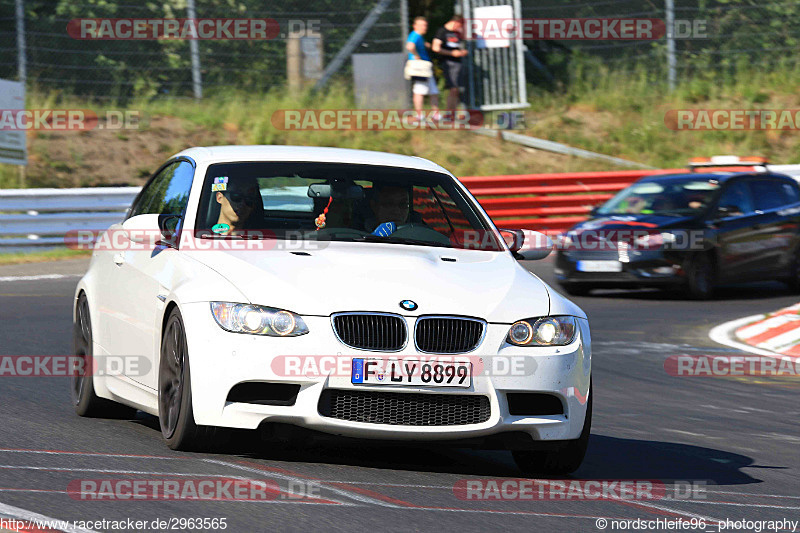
398, 240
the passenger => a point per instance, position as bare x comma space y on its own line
240, 204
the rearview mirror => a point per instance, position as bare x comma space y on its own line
336, 190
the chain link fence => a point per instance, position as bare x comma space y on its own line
738, 35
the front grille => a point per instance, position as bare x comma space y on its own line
404, 409
371, 331
448, 334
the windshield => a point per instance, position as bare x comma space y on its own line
665, 197
339, 202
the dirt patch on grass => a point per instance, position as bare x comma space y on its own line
102, 157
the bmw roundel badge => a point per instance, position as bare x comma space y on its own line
409, 305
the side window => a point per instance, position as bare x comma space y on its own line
769, 194
790, 193
168, 192
736, 197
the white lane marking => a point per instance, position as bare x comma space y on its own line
302, 502
341, 492
91, 454
751, 494
39, 277
723, 334
148, 473
24, 514
737, 504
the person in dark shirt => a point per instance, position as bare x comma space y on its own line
447, 43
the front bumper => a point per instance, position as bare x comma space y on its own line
220, 360
638, 269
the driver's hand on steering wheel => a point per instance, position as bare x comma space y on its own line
385, 229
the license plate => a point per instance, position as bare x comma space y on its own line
411, 373
599, 266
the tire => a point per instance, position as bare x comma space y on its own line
564, 460
175, 413
793, 280
700, 277
576, 289
87, 403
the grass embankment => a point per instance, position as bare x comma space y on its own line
619, 114
623, 115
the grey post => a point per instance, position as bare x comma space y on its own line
194, 50
22, 64
403, 23
671, 61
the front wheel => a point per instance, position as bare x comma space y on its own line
564, 460
700, 277
175, 414
793, 279
576, 289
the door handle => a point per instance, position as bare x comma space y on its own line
118, 259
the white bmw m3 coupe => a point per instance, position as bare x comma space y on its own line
348, 292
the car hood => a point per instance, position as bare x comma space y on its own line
377, 277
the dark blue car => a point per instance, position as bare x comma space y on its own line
690, 231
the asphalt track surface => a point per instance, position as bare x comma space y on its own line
739, 437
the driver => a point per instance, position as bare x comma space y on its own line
391, 206
237, 204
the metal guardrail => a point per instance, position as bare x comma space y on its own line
35, 218
41, 217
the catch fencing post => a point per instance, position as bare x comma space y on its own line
671, 61
194, 50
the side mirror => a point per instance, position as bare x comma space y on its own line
527, 244
725, 211
593, 211
153, 229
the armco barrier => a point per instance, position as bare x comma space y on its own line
41, 217
549, 202
552, 203
546, 202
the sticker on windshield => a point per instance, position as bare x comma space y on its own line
220, 184
220, 228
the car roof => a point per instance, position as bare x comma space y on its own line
312, 154
721, 177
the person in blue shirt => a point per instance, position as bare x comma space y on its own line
418, 49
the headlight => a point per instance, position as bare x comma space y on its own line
655, 240
257, 320
545, 331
